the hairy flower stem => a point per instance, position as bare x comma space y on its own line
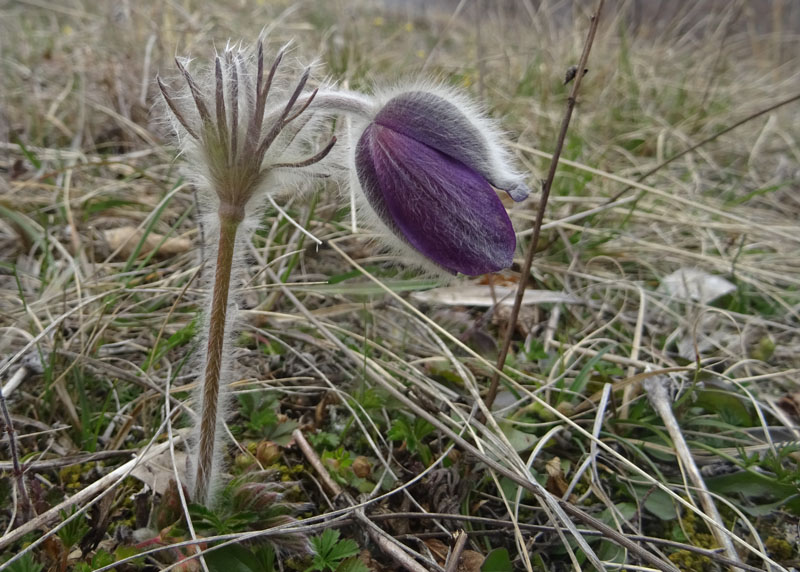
216, 340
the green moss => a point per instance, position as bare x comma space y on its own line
779, 548
70, 477
690, 561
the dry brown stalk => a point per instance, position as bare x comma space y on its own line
7, 426
525, 271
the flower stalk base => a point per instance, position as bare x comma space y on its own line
206, 444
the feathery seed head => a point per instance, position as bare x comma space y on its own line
241, 124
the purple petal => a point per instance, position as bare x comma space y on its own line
439, 124
441, 207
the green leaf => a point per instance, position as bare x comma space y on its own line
151, 223
352, 565
624, 512
422, 428
412, 435
399, 431
324, 439
536, 351
657, 503
730, 407
92, 207
758, 192
25, 564
265, 554
29, 155
325, 542
520, 440
179, 338
101, 559
72, 532
608, 551
582, 378
753, 485
497, 561
343, 549
233, 558
24, 223
205, 519
124, 551
329, 551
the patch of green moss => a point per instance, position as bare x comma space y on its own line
690, 561
779, 548
70, 477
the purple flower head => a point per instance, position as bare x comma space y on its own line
428, 170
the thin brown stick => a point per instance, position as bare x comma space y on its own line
458, 548
24, 501
311, 456
537, 226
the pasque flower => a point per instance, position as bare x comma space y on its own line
427, 163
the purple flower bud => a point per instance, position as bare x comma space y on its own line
427, 170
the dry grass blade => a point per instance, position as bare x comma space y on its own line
88, 494
657, 392
380, 377
523, 481
454, 557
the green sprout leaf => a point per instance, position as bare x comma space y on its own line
330, 553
